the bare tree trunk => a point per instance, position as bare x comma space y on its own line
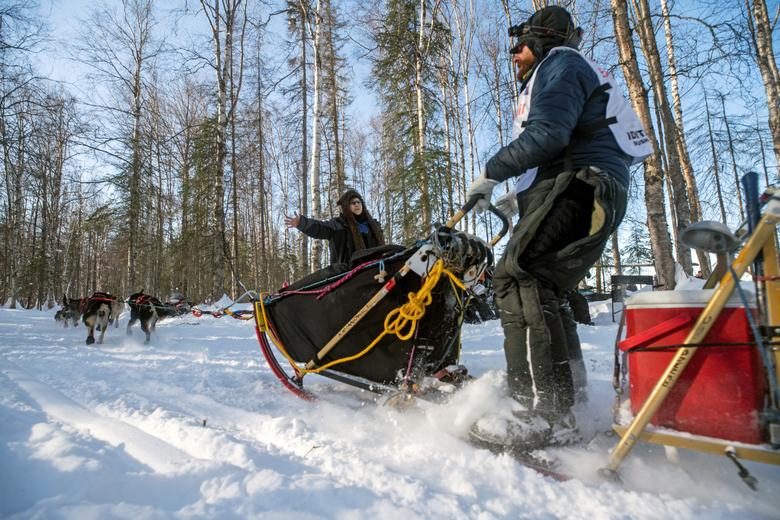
217, 212
654, 199
223, 67
737, 186
159, 239
599, 278
764, 165
496, 89
668, 185
334, 100
515, 93
134, 213
679, 137
444, 87
235, 92
222, 25
140, 26
261, 174
459, 145
31, 302
235, 276
12, 182
314, 171
17, 210
616, 253
715, 166
669, 129
304, 4
466, 30
418, 90
58, 216
761, 30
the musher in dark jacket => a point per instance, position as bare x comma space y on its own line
574, 138
353, 230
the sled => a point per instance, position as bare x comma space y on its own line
726, 398
388, 322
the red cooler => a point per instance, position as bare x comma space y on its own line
721, 391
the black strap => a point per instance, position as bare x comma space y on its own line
589, 130
598, 91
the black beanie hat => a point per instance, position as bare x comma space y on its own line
550, 27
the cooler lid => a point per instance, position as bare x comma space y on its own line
684, 298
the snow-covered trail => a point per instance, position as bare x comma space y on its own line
195, 425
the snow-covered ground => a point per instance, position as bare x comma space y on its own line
195, 425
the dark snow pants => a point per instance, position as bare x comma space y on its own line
567, 220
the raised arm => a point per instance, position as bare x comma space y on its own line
314, 228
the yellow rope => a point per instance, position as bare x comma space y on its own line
401, 321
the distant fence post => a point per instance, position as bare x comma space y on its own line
619, 282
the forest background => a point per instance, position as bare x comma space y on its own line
158, 145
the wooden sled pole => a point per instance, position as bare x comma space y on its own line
386, 288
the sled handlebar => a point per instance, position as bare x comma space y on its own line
504, 224
469, 206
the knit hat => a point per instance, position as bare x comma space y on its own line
549, 27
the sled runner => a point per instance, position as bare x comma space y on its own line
533, 459
704, 367
383, 323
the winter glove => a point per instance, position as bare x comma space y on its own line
507, 204
483, 187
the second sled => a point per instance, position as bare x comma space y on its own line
387, 322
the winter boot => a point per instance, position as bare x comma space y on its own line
563, 430
522, 430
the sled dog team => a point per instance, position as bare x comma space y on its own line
102, 309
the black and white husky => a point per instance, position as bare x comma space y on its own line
148, 310
98, 312
70, 311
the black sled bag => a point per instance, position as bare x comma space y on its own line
304, 323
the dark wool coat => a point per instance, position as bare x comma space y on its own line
342, 232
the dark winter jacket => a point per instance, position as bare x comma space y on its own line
337, 232
559, 112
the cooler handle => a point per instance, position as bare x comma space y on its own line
652, 333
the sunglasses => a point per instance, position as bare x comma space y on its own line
356, 202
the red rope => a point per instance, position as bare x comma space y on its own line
328, 288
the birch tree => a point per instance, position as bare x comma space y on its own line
314, 28
224, 18
715, 165
297, 23
679, 135
119, 46
761, 30
668, 130
653, 172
